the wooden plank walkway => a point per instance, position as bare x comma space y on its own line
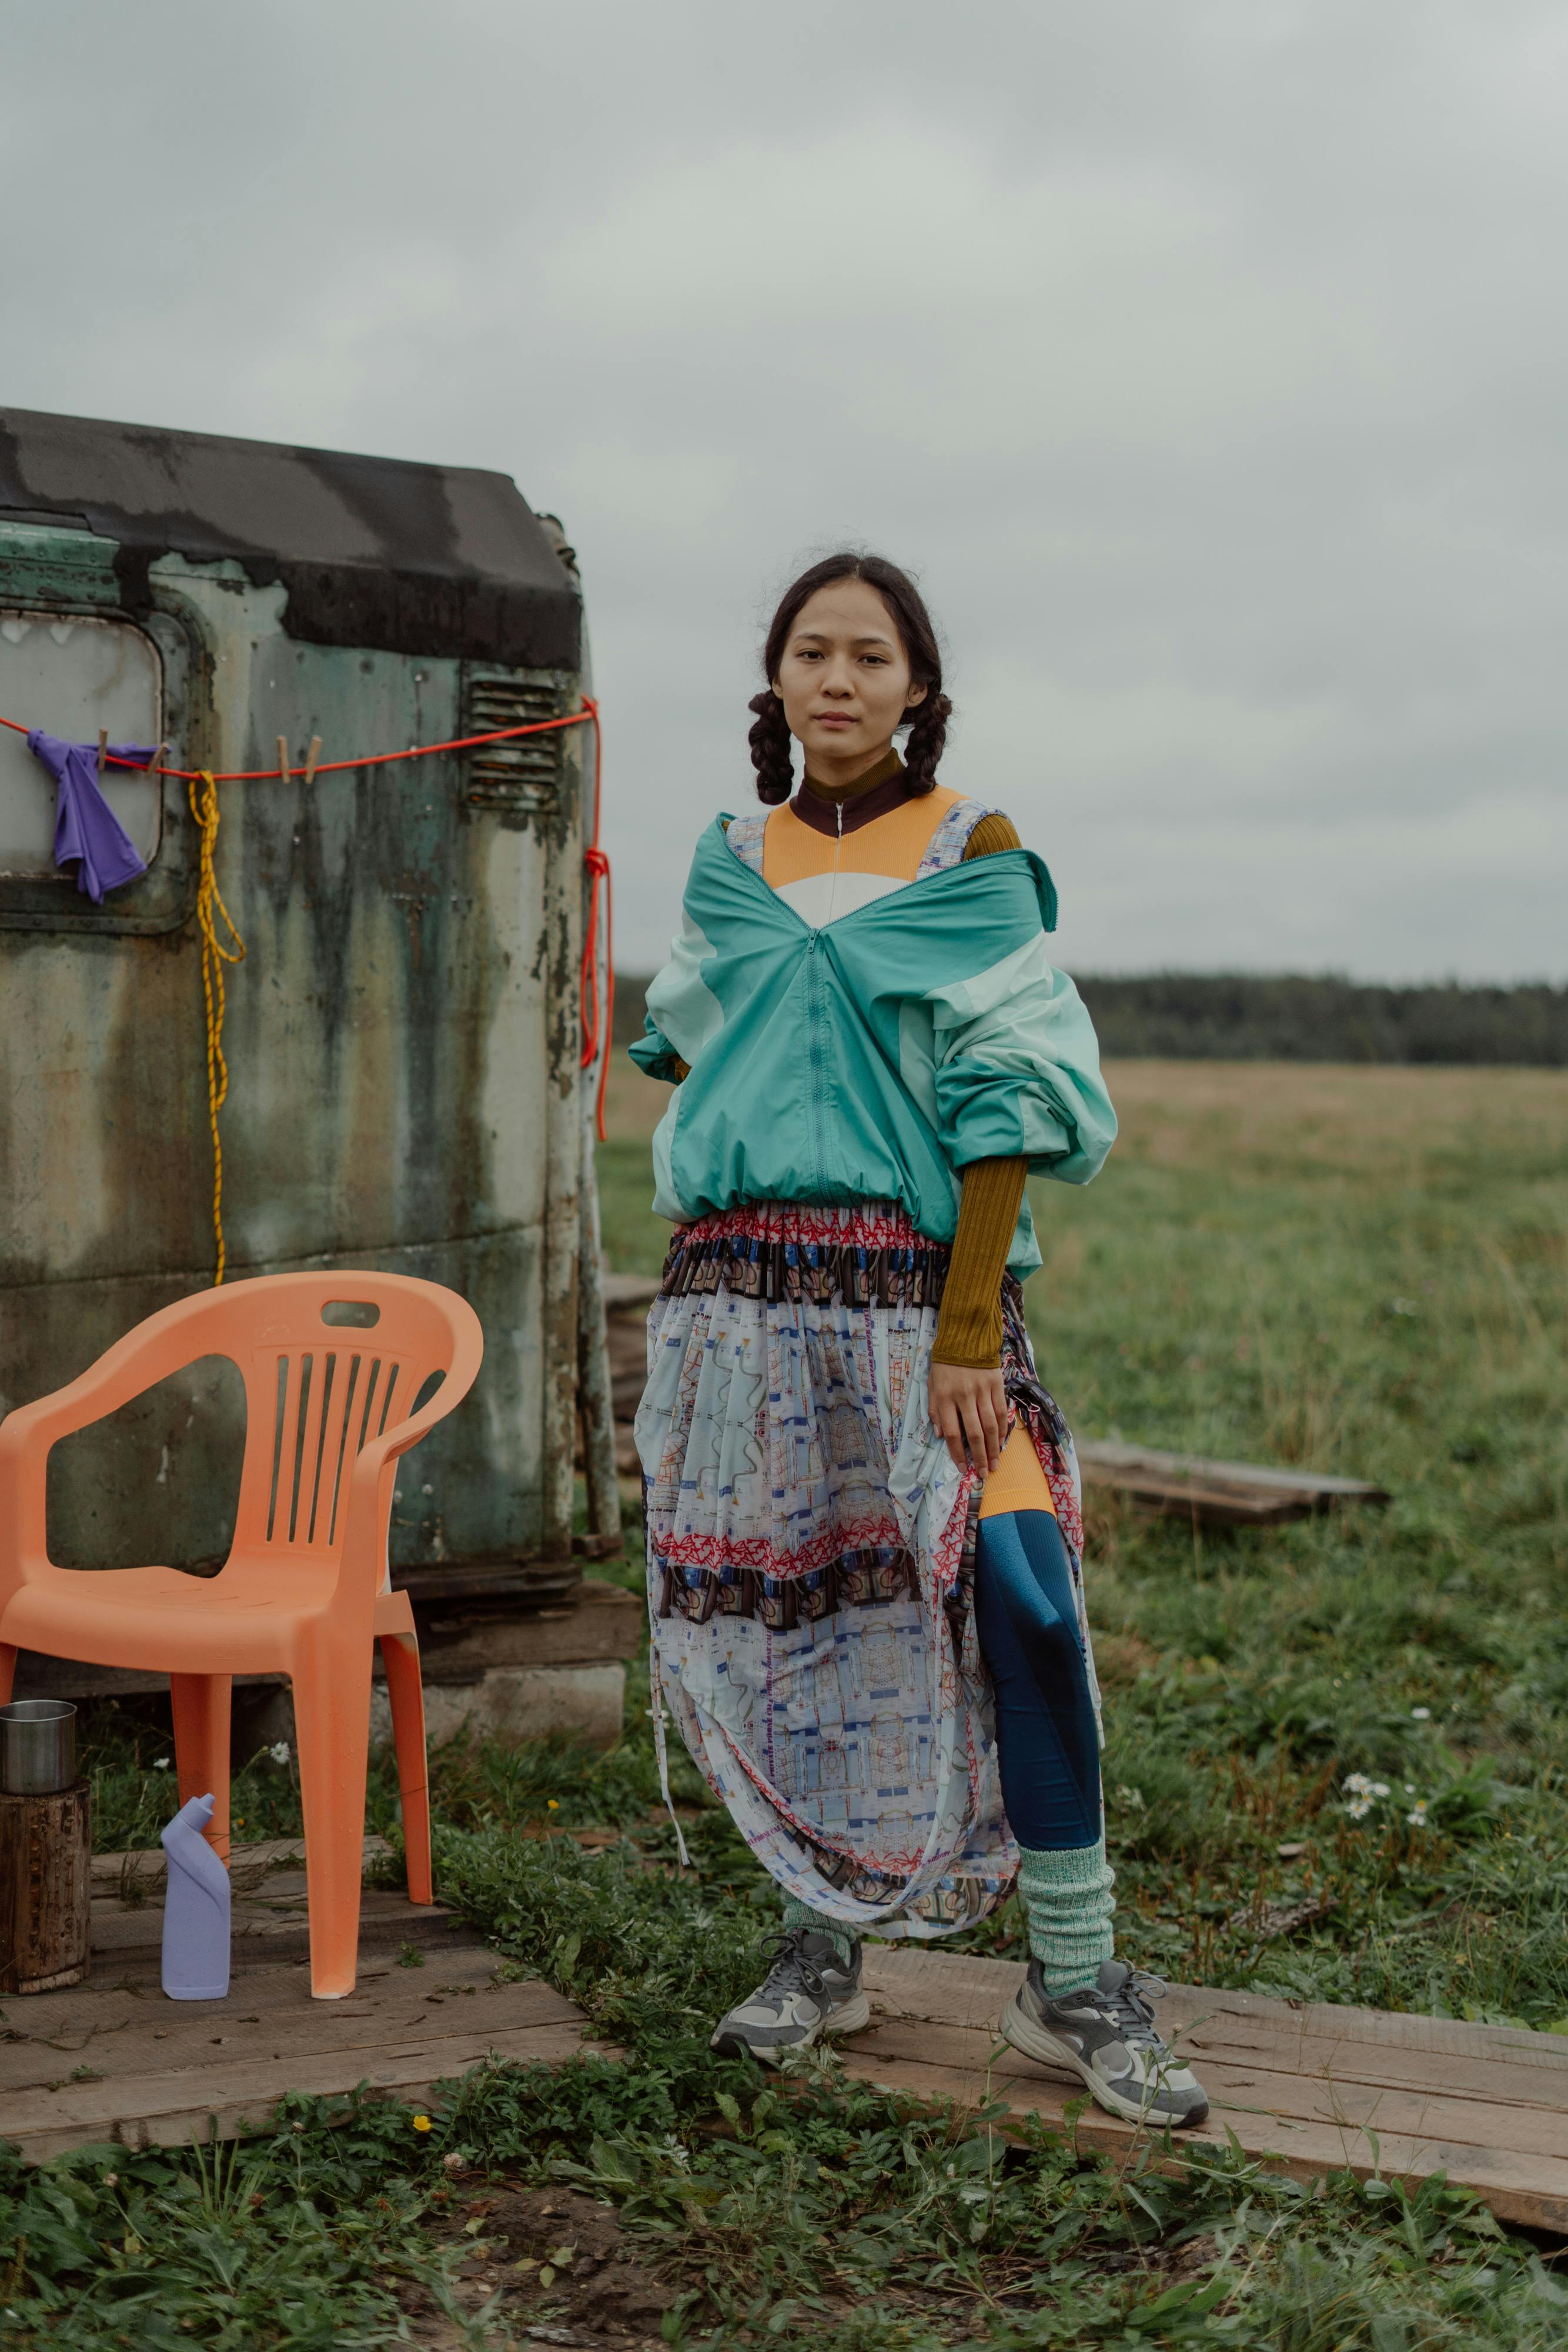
113, 2060
1311, 2088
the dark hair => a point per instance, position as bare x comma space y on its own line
771, 737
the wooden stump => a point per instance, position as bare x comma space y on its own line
46, 1889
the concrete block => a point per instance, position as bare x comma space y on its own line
520, 1703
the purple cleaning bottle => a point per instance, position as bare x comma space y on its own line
195, 1909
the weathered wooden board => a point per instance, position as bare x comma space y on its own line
270, 1919
113, 2060
1310, 2089
1216, 1494
625, 1292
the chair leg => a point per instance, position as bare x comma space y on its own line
200, 1705
7, 1671
332, 1739
399, 1656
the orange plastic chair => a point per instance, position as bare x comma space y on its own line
305, 1590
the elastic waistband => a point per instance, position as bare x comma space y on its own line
864, 1257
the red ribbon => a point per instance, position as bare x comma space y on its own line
598, 1024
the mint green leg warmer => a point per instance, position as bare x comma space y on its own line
1067, 1900
800, 1915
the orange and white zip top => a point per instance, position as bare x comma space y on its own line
828, 854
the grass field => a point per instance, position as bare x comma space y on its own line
1360, 1270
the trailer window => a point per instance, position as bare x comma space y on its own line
70, 676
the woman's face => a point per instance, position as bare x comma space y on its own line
843, 679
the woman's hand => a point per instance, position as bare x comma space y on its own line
968, 1405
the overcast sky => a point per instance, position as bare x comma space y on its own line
1208, 360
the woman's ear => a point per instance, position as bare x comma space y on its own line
917, 695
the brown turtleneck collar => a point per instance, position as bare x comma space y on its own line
884, 787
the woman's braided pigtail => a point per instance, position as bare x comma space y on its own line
927, 736
770, 740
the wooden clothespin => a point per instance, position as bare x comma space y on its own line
103, 752
311, 757
283, 758
157, 753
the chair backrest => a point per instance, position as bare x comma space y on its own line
328, 1361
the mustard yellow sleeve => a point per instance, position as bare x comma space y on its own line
969, 1327
992, 833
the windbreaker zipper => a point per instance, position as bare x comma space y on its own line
817, 1120
814, 1120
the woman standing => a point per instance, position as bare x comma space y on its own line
863, 1536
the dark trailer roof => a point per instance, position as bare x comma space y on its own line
374, 552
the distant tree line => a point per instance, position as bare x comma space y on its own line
1251, 1018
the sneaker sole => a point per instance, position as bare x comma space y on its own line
853, 2017
1019, 2029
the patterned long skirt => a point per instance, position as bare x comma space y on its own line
811, 1560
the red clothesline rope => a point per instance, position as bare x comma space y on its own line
590, 711
595, 1031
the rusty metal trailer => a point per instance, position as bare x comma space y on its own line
404, 1036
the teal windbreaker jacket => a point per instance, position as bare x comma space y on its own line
872, 1059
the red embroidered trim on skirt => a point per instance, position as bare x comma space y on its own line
695, 1551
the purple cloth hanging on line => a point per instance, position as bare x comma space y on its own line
86, 828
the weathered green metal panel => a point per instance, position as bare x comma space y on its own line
401, 1048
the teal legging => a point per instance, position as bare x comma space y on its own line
1047, 1743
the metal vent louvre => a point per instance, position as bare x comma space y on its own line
523, 774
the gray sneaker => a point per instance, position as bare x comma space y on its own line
806, 1993
1107, 2036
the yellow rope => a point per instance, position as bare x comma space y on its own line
214, 955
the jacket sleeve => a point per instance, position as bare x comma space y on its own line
653, 1053
683, 1011
1018, 1070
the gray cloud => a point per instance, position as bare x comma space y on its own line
1208, 362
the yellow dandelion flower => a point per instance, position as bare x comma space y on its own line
553, 1804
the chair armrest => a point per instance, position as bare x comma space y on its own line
24, 1495
165, 1344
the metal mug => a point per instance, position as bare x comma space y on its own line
38, 1747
